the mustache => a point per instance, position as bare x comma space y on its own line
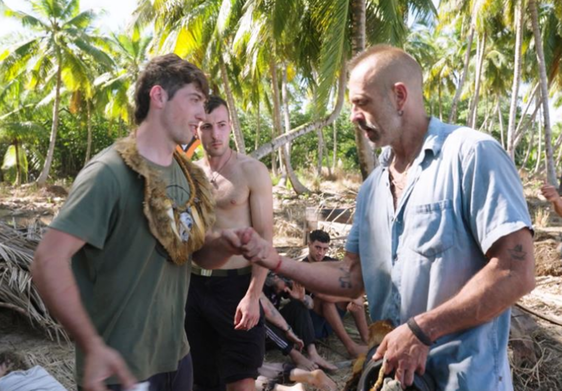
366, 126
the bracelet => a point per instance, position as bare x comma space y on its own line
289, 328
276, 269
418, 332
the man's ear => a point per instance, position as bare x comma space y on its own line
158, 96
400, 95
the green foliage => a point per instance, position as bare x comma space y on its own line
10, 167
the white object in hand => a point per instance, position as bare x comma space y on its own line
140, 387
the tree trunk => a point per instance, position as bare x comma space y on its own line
298, 187
550, 169
238, 136
305, 128
454, 106
539, 149
500, 119
440, 101
519, 25
18, 165
521, 131
258, 127
327, 156
529, 149
320, 151
523, 119
477, 82
335, 149
89, 120
364, 150
42, 180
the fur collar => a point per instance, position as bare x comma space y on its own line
165, 219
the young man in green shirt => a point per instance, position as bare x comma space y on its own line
114, 267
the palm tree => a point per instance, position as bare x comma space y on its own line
115, 88
54, 55
519, 27
201, 31
550, 169
371, 22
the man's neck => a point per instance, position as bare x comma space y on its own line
410, 145
216, 163
153, 145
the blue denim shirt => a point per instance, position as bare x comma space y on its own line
463, 194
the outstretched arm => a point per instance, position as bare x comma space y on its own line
261, 212
52, 274
336, 278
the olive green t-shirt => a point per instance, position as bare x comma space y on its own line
134, 295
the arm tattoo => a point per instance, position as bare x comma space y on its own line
517, 253
345, 279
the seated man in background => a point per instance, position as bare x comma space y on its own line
328, 311
288, 323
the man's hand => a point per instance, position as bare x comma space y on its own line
550, 192
258, 250
102, 362
299, 343
297, 292
404, 353
247, 313
356, 305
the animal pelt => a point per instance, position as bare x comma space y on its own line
377, 331
156, 204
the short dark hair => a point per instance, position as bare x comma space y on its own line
171, 73
213, 103
319, 235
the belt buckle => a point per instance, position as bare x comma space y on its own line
206, 272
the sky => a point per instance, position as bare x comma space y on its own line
117, 14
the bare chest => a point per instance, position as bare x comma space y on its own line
230, 193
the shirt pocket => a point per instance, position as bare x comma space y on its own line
430, 229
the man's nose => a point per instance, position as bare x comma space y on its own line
356, 115
200, 115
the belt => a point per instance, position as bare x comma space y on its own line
220, 272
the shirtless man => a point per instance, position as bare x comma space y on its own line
225, 324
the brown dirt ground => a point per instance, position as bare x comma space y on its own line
26, 206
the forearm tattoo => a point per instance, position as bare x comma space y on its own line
345, 279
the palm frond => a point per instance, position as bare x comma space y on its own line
17, 291
334, 21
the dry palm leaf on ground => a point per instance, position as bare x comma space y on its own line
17, 292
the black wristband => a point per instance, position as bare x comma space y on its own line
417, 331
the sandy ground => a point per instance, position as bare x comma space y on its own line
21, 208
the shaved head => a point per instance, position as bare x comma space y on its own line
386, 65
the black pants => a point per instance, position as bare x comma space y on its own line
298, 317
221, 354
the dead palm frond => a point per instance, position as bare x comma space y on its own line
17, 292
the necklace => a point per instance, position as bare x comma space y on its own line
216, 173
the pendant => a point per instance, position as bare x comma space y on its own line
185, 224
